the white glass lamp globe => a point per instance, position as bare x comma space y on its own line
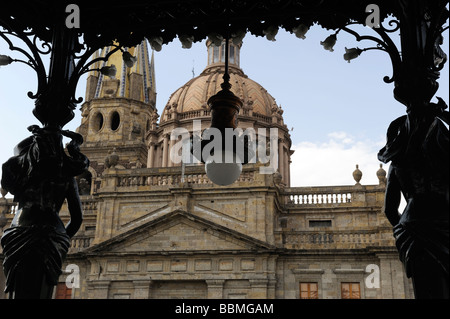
224, 173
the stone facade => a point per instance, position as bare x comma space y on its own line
147, 235
153, 229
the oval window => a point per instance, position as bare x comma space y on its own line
115, 121
98, 121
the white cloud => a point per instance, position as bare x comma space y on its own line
333, 162
341, 136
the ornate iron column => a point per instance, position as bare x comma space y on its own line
418, 149
40, 175
418, 142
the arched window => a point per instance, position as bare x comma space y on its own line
115, 120
98, 121
84, 182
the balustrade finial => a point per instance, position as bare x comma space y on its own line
381, 174
357, 175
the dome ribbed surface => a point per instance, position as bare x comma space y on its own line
193, 96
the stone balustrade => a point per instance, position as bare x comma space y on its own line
8, 206
194, 175
329, 237
194, 114
319, 198
296, 197
263, 118
88, 204
79, 243
334, 239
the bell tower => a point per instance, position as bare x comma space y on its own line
118, 109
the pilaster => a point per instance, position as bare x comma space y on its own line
258, 288
215, 288
142, 289
99, 289
392, 278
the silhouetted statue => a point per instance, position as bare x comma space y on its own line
418, 147
41, 176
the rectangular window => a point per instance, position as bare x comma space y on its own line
309, 290
222, 56
350, 290
62, 291
231, 54
210, 55
216, 54
320, 223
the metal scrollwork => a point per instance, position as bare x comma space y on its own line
33, 59
44, 44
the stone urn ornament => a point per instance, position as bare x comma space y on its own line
112, 159
381, 174
357, 175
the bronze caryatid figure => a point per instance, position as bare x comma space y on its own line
418, 149
41, 176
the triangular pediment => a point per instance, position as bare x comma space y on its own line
179, 232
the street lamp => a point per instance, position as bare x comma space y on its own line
223, 165
5, 60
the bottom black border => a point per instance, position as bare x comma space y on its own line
218, 308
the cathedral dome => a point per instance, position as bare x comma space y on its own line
192, 97
190, 102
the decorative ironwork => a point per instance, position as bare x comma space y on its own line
34, 58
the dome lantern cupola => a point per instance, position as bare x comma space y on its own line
216, 54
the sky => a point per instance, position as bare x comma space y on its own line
338, 112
